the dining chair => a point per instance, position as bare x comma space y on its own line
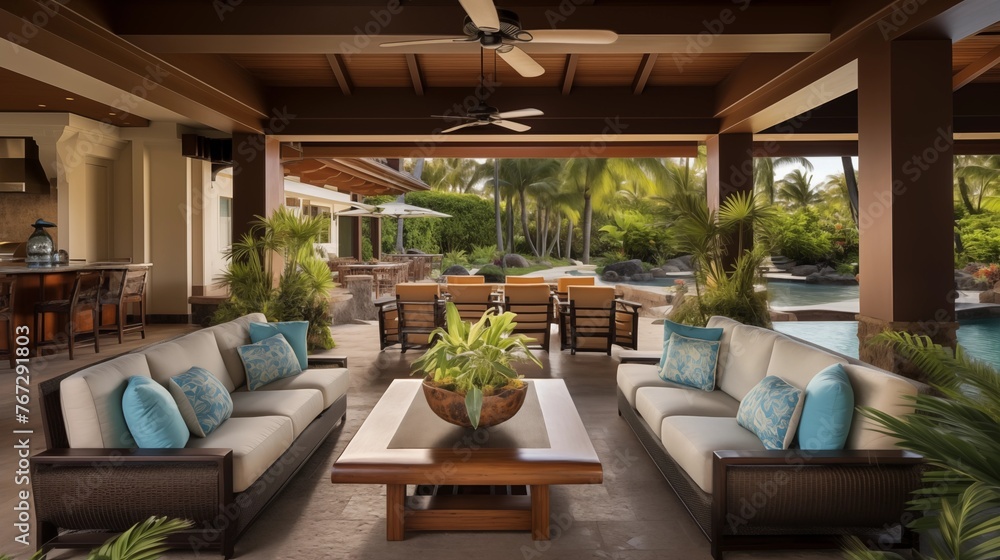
472, 300
532, 303
593, 319
122, 289
8, 290
409, 319
84, 298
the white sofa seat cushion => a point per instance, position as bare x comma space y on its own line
301, 406
175, 357
798, 363
656, 403
331, 382
230, 336
746, 360
632, 377
692, 441
256, 443
880, 390
91, 403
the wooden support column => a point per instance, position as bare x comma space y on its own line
905, 213
375, 234
356, 243
258, 180
730, 171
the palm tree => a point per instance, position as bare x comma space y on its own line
451, 174
838, 195
524, 175
599, 178
976, 179
765, 167
797, 189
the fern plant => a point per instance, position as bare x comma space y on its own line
475, 360
958, 433
142, 541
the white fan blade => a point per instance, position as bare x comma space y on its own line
522, 63
519, 114
427, 42
482, 13
461, 126
511, 125
574, 36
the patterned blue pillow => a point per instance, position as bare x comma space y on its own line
202, 399
152, 415
691, 362
772, 410
295, 332
701, 333
268, 360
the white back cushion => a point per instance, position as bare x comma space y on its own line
798, 363
92, 402
747, 359
168, 359
880, 390
230, 336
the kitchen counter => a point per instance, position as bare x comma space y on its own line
21, 268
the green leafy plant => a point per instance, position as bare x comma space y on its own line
724, 284
303, 285
452, 258
143, 541
483, 254
958, 433
633, 237
475, 360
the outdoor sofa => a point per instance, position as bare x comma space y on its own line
92, 479
743, 496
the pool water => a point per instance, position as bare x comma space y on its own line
979, 337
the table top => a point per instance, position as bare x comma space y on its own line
21, 268
563, 455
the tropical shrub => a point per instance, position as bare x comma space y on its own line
492, 273
303, 285
988, 275
452, 258
980, 237
634, 237
483, 254
470, 224
957, 431
799, 236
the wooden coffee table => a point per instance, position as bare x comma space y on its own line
402, 442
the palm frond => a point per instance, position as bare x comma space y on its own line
143, 541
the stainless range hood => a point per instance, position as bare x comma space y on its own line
20, 170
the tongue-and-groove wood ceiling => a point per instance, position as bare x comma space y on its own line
312, 70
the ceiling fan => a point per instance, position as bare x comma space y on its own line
482, 114
500, 30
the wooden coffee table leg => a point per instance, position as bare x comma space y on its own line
395, 505
539, 512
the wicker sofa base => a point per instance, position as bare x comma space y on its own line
792, 499
79, 490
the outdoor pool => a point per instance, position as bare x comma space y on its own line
979, 337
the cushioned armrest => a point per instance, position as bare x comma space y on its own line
382, 302
639, 357
327, 361
631, 304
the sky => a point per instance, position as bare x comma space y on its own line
822, 166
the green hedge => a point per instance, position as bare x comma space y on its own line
980, 234
470, 224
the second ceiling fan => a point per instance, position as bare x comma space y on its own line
500, 30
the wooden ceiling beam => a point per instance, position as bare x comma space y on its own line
505, 150
642, 74
340, 73
754, 107
979, 67
415, 76
569, 74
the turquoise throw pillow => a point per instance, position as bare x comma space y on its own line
294, 332
828, 410
152, 415
701, 333
772, 410
202, 399
268, 360
691, 362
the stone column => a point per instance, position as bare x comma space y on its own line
730, 171
905, 215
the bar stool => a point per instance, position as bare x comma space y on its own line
8, 287
83, 298
122, 288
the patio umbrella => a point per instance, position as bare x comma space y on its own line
398, 210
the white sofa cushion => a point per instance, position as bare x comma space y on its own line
230, 336
881, 390
91, 403
631, 377
175, 357
747, 358
727, 325
656, 403
798, 363
692, 441
256, 443
331, 382
301, 406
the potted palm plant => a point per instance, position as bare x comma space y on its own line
469, 379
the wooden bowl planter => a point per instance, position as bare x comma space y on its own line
497, 408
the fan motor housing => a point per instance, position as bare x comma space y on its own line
510, 26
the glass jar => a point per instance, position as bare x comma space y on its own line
40, 246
